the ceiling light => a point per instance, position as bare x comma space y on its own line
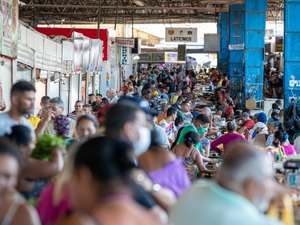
139, 2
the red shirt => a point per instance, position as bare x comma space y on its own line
249, 124
228, 112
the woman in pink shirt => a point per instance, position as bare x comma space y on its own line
283, 139
227, 139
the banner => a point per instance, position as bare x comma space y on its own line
185, 35
9, 28
181, 53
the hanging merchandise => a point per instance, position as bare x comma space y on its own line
9, 29
95, 55
85, 54
78, 50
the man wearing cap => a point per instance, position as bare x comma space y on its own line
275, 108
259, 132
248, 124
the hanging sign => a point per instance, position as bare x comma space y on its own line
125, 42
279, 44
181, 53
181, 35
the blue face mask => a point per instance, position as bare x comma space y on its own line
254, 134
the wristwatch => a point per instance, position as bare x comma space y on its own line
155, 188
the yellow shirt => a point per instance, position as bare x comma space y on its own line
174, 99
34, 120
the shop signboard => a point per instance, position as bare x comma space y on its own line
236, 47
279, 44
145, 57
171, 57
9, 28
181, 53
183, 35
158, 57
125, 42
124, 56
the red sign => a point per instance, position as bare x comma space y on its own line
67, 32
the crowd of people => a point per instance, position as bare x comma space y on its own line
146, 154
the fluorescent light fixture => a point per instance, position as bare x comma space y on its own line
136, 58
139, 2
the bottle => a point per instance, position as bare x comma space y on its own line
211, 86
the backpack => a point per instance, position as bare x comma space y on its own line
292, 117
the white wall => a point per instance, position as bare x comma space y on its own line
64, 94
6, 79
40, 92
74, 91
53, 89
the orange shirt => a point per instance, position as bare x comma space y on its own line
161, 117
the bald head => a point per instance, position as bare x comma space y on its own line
243, 162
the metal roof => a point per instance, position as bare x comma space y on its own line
126, 11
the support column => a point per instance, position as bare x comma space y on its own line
291, 50
236, 48
255, 26
223, 31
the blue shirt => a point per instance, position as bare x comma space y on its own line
6, 123
208, 203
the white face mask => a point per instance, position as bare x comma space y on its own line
140, 146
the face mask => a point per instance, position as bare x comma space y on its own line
202, 130
140, 146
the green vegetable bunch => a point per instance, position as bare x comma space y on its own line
45, 144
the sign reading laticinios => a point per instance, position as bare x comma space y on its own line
184, 35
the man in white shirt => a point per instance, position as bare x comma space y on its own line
241, 193
112, 96
168, 124
22, 98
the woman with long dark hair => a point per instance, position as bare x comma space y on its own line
101, 186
